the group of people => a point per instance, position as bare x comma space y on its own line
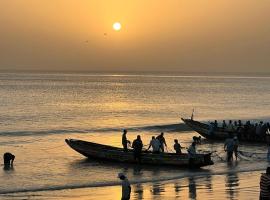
248, 130
158, 145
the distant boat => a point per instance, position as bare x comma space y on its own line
217, 133
105, 152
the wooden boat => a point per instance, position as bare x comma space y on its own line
218, 133
105, 152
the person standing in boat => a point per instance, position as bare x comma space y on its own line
229, 148
155, 144
137, 146
230, 127
162, 141
177, 147
215, 124
126, 188
125, 142
224, 125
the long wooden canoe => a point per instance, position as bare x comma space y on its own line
219, 133
105, 152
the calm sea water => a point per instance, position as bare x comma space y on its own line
38, 111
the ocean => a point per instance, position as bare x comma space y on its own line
40, 110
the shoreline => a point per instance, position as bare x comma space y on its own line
243, 185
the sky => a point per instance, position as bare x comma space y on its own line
156, 35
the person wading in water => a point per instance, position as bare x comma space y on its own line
137, 146
162, 141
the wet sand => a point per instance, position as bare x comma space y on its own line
244, 185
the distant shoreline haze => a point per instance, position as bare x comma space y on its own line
146, 73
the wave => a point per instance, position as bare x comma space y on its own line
152, 128
200, 173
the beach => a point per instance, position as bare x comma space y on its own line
41, 110
229, 186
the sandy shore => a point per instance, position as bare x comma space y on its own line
228, 186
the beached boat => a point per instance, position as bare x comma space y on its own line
217, 133
105, 152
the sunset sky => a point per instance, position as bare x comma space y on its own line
156, 35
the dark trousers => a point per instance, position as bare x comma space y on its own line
229, 156
125, 147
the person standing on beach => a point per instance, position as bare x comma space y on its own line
162, 141
126, 188
125, 142
265, 185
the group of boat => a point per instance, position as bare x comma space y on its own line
105, 152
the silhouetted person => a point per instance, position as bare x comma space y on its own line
162, 141
8, 159
155, 144
137, 146
126, 189
177, 147
224, 125
229, 148
125, 142
192, 154
265, 185
235, 148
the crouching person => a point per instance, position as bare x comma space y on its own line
8, 159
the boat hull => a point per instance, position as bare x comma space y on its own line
218, 134
109, 153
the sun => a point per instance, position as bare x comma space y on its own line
117, 26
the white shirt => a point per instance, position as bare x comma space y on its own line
155, 145
192, 151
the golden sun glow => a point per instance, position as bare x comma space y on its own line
117, 26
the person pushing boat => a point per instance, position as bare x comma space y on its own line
162, 141
177, 147
137, 146
155, 144
229, 148
192, 153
